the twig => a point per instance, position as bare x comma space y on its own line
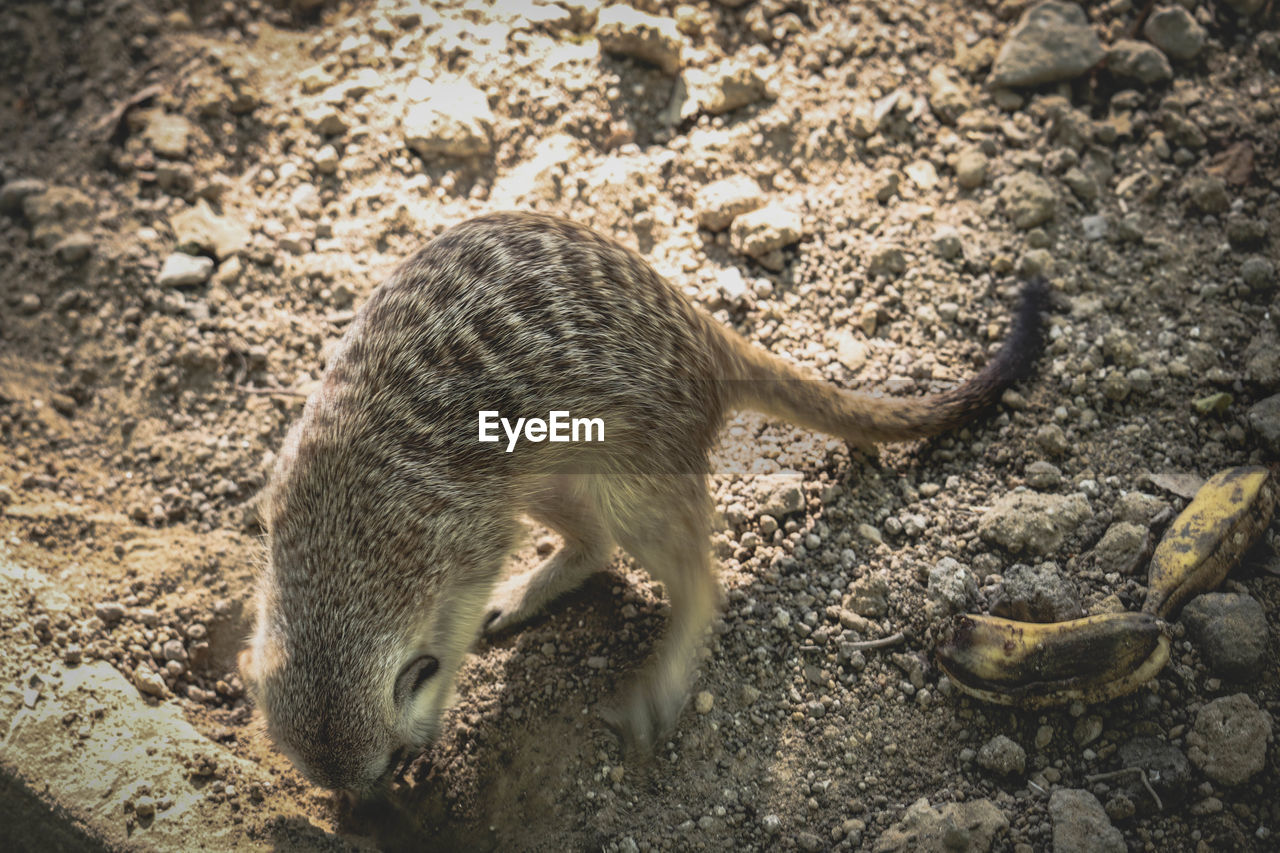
288, 392
891, 640
1125, 771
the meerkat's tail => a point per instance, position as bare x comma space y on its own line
770, 385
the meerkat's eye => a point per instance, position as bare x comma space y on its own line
415, 675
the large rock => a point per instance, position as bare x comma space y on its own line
971, 827
722, 88
1231, 632
1175, 31
1081, 825
1052, 42
1229, 741
1026, 522
779, 494
767, 230
1166, 767
449, 118
630, 32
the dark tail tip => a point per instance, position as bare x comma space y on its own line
1025, 340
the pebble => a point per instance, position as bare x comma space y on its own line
869, 596
1167, 769
29, 303
1043, 476
718, 203
703, 702
110, 612
1053, 41
722, 88
1259, 273
1175, 31
1081, 825
1264, 420
761, 232
1229, 740
326, 160
946, 244
1052, 440
624, 30
1230, 630
1028, 200
183, 270
972, 825
449, 118
149, 681
145, 807
1037, 594
949, 98
1139, 61
971, 168
1003, 757
1122, 548
198, 230
1033, 523
887, 260
15, 192
778, 495
1208, 194
74, 248
167, 135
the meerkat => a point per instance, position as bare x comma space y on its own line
388, 522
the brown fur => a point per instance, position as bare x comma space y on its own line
389, 523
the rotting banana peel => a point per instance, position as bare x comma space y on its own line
1226, 517
1040, 665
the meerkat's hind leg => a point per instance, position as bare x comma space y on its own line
670, 542
568, 506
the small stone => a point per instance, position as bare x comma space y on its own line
624, 30
110, 612
778, 495
1081, 825
1028, 200
72, 654
1246, 7
166, 135
972, 825
1053, 41
1175, 31
1166, 767
1043, 476
326, 160
887, 260
869, 596
29, 303
1259, 273
1003, 757
198, 229
1245, 233
946, 244
144, 807
717, 204
771, 824
722, 88
1123, 548
1033, 523
1037, 594
1214, 404
1264, 420
1139, 61
74, 248
1087, 730
1095, 226
1230, 630
952, 585
449, 118
1229, 740
949, 97
149, 682
14, 193
1120, 807
768, 229
183, 270
1208, 194
703, 702
174, 650
971, 168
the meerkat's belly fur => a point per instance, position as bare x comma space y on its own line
389, 522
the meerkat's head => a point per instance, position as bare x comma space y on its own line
365, 611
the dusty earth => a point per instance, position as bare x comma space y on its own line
292, 155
